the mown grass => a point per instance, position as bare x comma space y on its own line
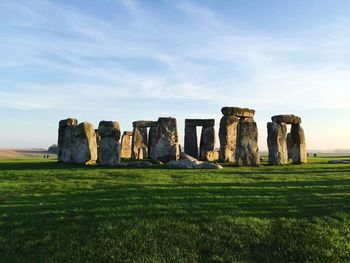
51, 212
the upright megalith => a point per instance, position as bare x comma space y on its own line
191, 141
85, 146
66, 140
228, 138
240, 148
152, 141
292, 145
247, 150
277, 143
289, 145
167, 145
207, 142
109, 148
125, 146
298, 147
139, 141
207, 139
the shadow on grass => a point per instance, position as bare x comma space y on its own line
195, 201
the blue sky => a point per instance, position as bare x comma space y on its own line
129, 60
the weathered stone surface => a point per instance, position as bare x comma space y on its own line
66, 140
238, 112
277, 143
299, 154
247, 150
191, 142
125, 147
129, 133
188, 164
200, 122
182, 164
228, 138
109, 148
184, 156
144, 124
207, 142
139, 140
212, 156
205, 165
167, 140
68, 122
85, 147
152, 141
109, 129
288, 119
98, 138
289, 146
142, 153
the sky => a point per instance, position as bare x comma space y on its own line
128, 60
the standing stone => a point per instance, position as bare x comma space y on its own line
298, 150
152, 141
142, 153
277, 143
207, 142
125, 147
85, 149
191, 142
167, 148
109, 149
247, 150
228, 138
212, 156
66, 140
289, 145
139, 140
98, 138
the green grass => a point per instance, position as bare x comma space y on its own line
51, 212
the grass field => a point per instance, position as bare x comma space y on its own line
51, 212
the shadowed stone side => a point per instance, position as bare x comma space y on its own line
277, 143
298, 150
85, 149
109, 148
167, 148
228, 138
152, 141
289, 145
66, 140
247, 150
125, 146
191, 142
207, 142
139, 140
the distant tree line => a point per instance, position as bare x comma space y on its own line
52, 149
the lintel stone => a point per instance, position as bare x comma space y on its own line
238, 112
200, 122
144, 124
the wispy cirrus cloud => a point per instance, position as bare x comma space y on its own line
118, 54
